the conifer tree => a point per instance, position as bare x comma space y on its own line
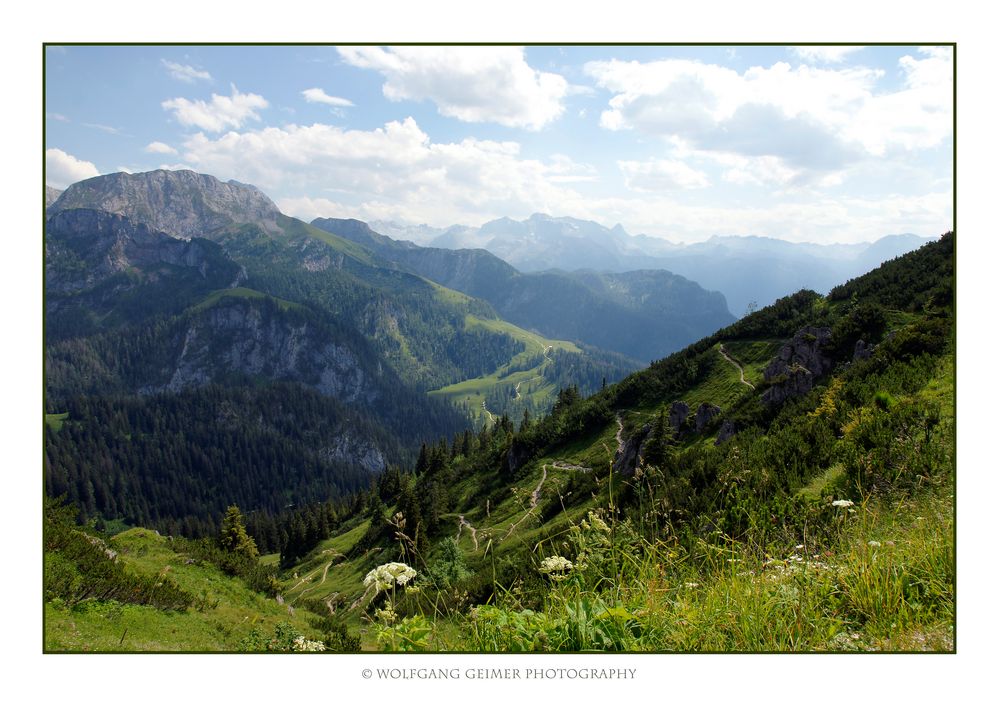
233, 537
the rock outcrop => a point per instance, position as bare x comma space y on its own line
704, 415
726, 432
798, 363
678, 413
258, 340
87, 246
805, 350
349, 448
628, 455
51, 195
862, 350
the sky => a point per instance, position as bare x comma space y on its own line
803, 143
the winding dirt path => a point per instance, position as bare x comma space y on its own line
742, 374
618, 436
488, 413
462, 523
536, 494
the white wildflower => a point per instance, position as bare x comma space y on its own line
388, 575
875, 544
555, 565
842, 503
303, 644
691, 584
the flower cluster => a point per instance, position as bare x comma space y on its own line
596, 522
555, 565
388, 575
842, 503
304, 645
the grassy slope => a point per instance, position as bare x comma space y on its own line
55, 421
240, 293
473, 392
110, 626
883, 580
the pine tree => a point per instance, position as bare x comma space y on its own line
657, 446
233, 537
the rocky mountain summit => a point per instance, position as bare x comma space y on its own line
181, 203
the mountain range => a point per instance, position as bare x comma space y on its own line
172, 286
644, 314
172, 292
746, 269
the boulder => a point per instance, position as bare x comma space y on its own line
862, 350
806, 350
798, 363
628, 455
678, 413
726, 432
704, 415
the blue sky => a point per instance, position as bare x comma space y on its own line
823, 144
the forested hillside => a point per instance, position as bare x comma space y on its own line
641, 314
785, 484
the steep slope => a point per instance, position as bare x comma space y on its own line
728, 466
634, 520
105, 270
642, 314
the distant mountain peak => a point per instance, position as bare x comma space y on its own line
182, 203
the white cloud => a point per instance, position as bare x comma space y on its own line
397, 173
185, 73
661, 176
221, 113
825, 53
56, 116
824, 220
63, 169
103, 128
316, 94
472, 84
392, 172
919, 116
810, 122
161, 148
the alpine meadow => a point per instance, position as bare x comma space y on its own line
480, 349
